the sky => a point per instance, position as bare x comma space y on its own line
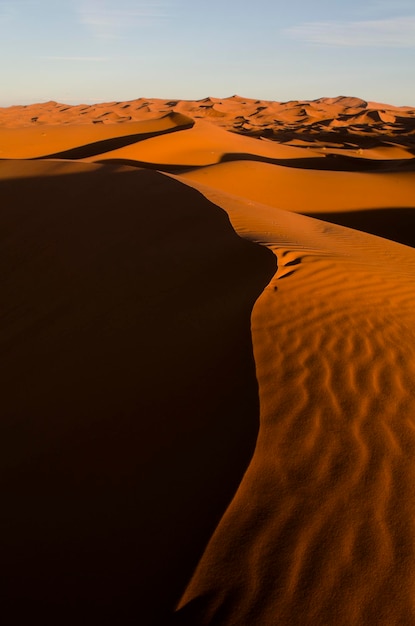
86, 51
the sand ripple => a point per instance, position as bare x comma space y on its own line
322, 528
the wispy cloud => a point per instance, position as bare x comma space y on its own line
397, 32
104, 20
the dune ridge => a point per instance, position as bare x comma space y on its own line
321, 529
127, 300
339, 119
208, 362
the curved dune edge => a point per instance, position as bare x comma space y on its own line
205, 144
68, 141
321, 529
129, 405
307, 190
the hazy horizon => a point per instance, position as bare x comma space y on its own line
99, 51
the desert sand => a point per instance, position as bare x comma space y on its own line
208, 363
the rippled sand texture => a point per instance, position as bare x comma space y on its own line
209, 363
321, 530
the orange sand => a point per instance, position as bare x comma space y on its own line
208, 363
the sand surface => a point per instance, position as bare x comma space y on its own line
208, 363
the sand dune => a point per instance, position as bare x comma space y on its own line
320, 530
126, 352
309, 119
208, 362
204, 145
308, 190
78, 141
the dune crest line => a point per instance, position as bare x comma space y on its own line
129, 409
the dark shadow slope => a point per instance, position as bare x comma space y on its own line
129, 406
397, 224
169, 168
356, 135
330, 162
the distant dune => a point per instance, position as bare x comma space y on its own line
208, 363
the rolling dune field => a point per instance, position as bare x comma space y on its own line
208, 363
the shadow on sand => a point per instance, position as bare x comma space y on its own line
113, 143
329, 163
397, 224
129, 409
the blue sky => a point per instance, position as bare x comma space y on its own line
84, 51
